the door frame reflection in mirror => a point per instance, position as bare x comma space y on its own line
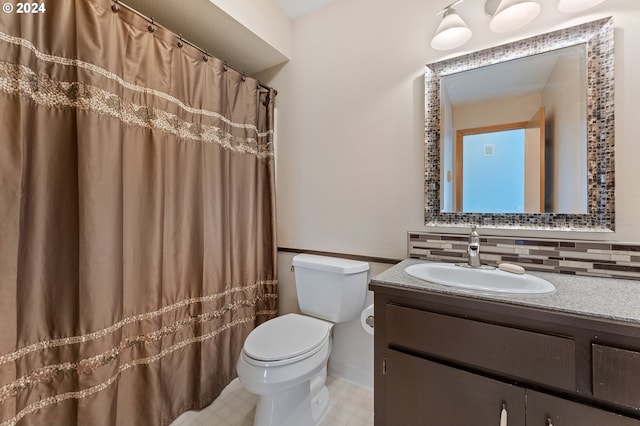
600, 217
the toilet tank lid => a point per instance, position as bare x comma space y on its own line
331, 264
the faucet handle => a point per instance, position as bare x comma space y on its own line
474, 248
474, 238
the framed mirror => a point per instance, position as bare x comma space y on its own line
552, 95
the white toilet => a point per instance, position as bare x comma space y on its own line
284, 360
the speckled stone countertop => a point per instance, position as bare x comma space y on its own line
607, 298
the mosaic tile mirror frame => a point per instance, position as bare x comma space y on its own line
599, 39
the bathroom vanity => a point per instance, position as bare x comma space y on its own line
450, 357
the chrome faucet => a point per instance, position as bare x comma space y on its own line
474, 248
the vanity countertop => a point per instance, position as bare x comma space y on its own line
607, 298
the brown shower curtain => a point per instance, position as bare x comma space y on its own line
137, 227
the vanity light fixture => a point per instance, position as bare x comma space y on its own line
452, 31
570, 6
505, 16
509, 15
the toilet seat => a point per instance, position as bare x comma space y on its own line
286, 339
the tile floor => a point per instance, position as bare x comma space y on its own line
350, 405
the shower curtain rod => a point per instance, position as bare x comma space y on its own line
181, 40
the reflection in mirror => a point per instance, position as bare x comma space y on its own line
541, 101
521, 135
509, 157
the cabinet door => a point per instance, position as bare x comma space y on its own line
547, 410
421, 392
509, 352
615, 375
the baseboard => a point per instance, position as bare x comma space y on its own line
358, 377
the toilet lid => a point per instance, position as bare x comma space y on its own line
287, 336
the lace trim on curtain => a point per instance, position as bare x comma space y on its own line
87, 365
122, 368
46, 344
20, 80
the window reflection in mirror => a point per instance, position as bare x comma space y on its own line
544, 93
509, 157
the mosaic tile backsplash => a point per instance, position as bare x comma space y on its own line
579, 257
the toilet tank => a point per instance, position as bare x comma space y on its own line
330, 288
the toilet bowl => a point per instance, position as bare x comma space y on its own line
284, 360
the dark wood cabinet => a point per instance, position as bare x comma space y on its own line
428, 393
616, 375
547, 410
538, 357
447, 360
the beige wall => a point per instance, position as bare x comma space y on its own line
351, 126
264, 19
570, 155
510, 110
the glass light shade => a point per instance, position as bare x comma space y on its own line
513, 14
570, 6
451, 33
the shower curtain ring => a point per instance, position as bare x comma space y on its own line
114, 7
205, 57
180, 43
151, 28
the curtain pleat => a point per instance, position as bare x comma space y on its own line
137, 231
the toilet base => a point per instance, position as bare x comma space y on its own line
290, 408
303, 405
320, 405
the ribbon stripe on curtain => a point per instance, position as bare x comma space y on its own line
137, 231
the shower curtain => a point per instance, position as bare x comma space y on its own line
137, 218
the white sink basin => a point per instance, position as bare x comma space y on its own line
486, 280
